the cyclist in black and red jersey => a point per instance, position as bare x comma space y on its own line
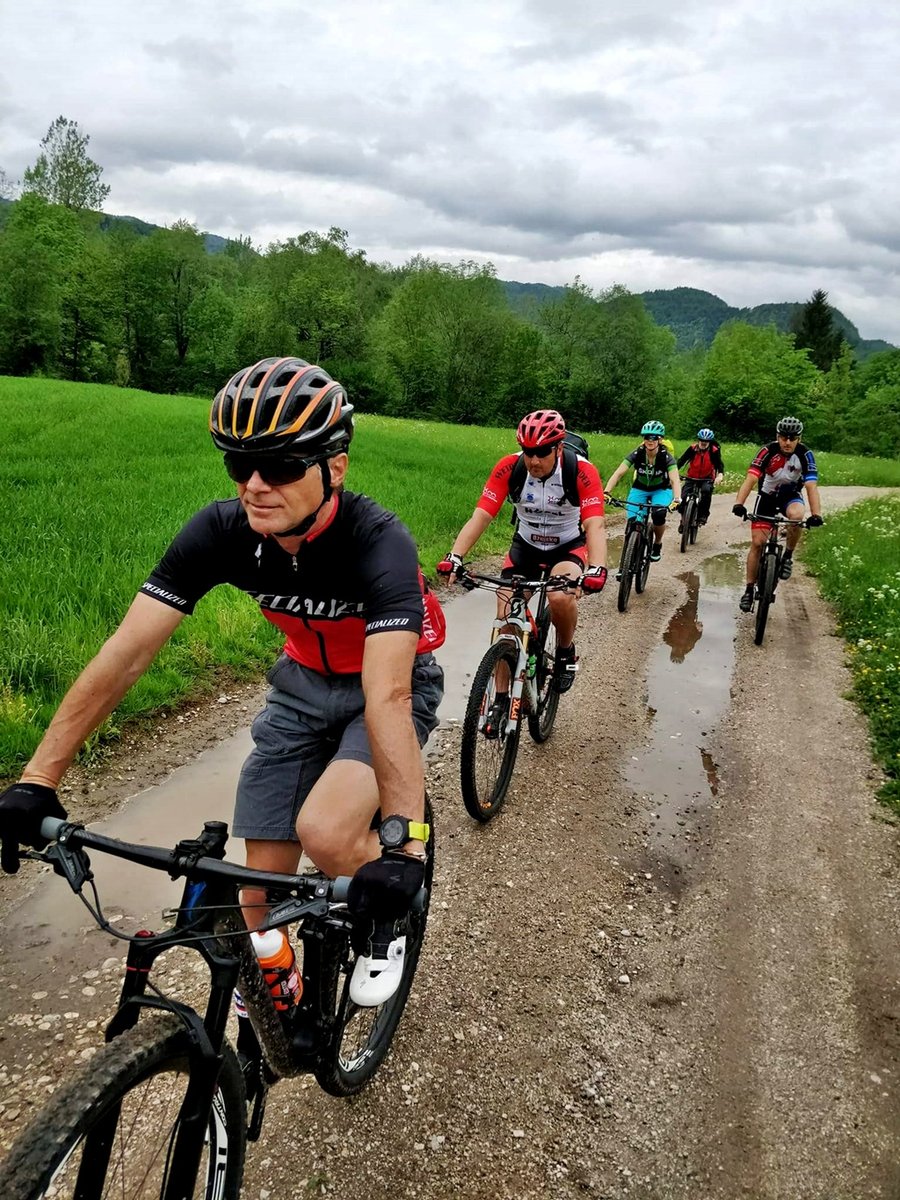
558, 498
705, 471
353, 696
780, 472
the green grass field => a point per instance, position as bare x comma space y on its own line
857, 557
96, 480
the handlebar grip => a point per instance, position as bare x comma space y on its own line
50, 827
340, 888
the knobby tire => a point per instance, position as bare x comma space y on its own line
483, 799
767, 583
540, 724
642, 559
124, 1095
360, 1038
687, 524
627, 568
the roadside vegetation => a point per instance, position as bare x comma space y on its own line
857, 558
97, 480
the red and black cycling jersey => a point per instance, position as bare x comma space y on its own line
705, 464
545, 516
780, 473
356, 576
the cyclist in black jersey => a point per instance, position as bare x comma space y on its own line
353, 696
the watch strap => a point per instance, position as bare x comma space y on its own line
419, 831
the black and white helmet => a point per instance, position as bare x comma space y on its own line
789, 427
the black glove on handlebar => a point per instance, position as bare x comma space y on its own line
22, 809
385, 889
739, 510
813, 521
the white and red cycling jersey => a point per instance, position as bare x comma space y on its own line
545, 516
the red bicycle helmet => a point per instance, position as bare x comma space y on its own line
542, 428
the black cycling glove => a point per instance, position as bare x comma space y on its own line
385, 889
22, 809
739, 510
813, 521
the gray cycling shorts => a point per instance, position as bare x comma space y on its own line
309, 721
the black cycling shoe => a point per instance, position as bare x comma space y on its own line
497, 716
565, 668
787, 567
656, 552
747, 600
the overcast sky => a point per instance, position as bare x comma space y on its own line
750, 148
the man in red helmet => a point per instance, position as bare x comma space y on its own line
558, 498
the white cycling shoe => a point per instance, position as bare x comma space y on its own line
376, 978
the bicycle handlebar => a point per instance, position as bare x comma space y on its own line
552, 583
161, 859
775, 519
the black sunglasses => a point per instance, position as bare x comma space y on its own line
539, 451
275, 470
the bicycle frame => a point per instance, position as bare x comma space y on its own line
525, 624
208, 919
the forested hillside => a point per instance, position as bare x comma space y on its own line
89, 297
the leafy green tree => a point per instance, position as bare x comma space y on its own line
35, 248
814, 330
752, 376
64, 173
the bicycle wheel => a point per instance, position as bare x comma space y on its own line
486, 764
695, 521
540, 723
361, 1037
110, 1131
766, 585
630, 554
642, 560
688, 535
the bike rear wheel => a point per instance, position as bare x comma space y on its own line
486, 764
768, 573
642, 559
110, 1131
540, 724
627, 567
695, 520
360, 1038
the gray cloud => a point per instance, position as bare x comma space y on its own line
753, 148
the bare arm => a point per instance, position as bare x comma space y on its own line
675, 480
471, 532
122, 659
615, 477
746, 488
815, 500
595, 534
396, 758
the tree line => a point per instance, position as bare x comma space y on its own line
85, 297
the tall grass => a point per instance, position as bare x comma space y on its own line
857, 557
95, 481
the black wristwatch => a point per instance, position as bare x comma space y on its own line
396, 831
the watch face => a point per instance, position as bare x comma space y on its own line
393, 831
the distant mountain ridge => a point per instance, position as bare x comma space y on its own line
695, 316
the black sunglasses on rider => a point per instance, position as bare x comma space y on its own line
539, 451
277, 470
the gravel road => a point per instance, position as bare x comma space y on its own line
634, 984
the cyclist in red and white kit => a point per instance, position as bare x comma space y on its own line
353, 696
558, 498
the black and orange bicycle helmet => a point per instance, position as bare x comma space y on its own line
542, 428
282, 404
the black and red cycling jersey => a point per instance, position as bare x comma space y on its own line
357, 575
545, 516
780, 473
704, 464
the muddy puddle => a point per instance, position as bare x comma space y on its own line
53, 920
688, 689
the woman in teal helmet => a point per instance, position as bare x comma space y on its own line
656, 481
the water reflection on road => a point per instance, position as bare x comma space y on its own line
688, 689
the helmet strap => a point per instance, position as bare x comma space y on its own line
307, 523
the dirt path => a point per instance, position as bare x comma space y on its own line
668, 968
